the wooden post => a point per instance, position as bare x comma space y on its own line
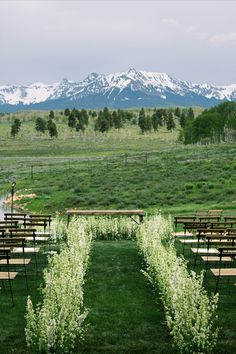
32, 172
146, 158
88, 167
126, 158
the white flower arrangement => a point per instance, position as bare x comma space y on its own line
190, 312
54, 325
111, 228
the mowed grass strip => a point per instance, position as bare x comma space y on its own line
125, 315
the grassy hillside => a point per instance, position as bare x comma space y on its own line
119, 169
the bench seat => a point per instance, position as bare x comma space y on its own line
37, 238
8, 275
26, 250
42, 233
224, 272
191, 241
216, 259
205, 250
182, 234
15, 261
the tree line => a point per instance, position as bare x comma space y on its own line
106, 119
164, 117
214, 125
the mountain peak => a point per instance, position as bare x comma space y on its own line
132, 71
92, 76
64, 81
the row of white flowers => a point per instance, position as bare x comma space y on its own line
190, 312
110, 228
54, 325
102, 228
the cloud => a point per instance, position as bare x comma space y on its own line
170, 21
223, 39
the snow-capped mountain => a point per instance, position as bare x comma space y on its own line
120, 90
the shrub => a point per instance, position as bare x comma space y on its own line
189, 186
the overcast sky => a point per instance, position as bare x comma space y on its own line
50, 40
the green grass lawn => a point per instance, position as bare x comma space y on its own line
125, 315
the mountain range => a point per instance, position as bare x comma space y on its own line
120, 90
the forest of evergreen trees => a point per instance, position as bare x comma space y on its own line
214, 125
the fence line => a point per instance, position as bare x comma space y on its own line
166, 158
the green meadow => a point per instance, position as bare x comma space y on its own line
118, 169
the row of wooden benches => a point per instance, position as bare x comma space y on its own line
194, 225
224, 250
209, 215
208, 218
17, 242
26, 220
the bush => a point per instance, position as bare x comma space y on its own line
189, 186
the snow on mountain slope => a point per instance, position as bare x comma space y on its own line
33, 93
150, 84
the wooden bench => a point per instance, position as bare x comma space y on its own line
16, 261
14, 216
7, 275
205, 250
29, 220
224, 272
29, 235
209, 215
212, 237
195, 225
8, 223
183, 219
216, 259
223, 224
220, 239
211, 231
230, 219
20, 237
130, 213
43, 217
11, 244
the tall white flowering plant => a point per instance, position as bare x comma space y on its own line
110, 228
101, 228
58, 229
190, 312
54, 325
